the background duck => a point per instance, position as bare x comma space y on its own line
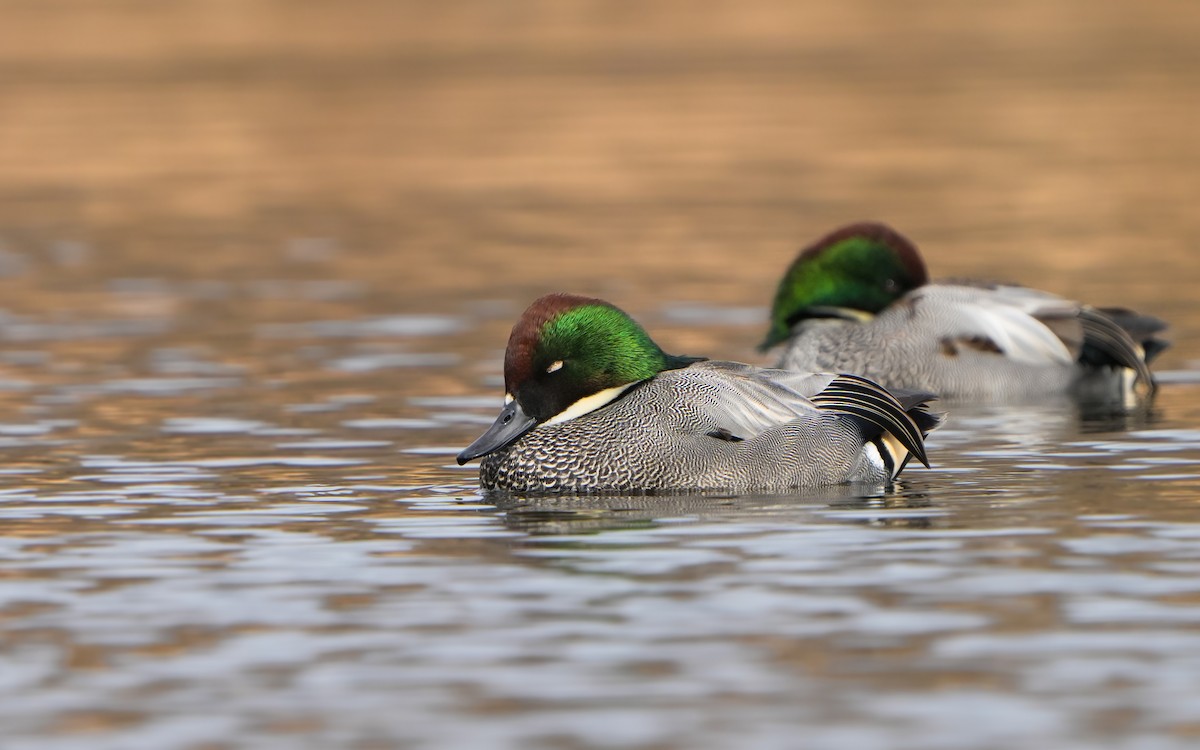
859, 300
592, 404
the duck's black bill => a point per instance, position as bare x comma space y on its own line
512, 423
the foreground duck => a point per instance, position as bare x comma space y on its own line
859, 300
592, 404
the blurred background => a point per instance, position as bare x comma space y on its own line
428, 153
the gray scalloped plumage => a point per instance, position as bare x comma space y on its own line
721, 425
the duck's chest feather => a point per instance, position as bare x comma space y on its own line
647, 439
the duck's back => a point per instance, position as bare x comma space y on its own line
982, 342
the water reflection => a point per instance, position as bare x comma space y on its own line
316, 553
335, 580
580, 514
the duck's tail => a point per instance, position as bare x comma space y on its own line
1117, 337
896, 423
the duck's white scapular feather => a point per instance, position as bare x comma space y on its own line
749, 400
1010, 317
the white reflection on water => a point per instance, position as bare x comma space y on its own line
401, 326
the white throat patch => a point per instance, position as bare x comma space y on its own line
589, 404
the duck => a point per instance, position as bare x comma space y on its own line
593, 405
859, 299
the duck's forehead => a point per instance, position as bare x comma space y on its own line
875, 232
518, 357
529, 331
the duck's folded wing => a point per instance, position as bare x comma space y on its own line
896, 422
745, 400
1024, 325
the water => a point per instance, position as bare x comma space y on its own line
258, 265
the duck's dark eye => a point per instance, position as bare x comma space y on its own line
890, 285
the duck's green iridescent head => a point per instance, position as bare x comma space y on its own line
566, 356
859, 268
